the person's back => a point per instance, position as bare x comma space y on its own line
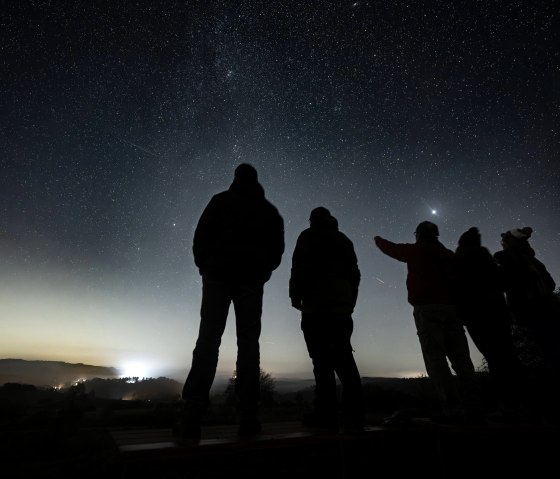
430, 265
238, 242
325, 271
239, 233
324, 287
526, 279
479, 284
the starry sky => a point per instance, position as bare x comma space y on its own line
119, 121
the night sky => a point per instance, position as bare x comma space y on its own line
119, 121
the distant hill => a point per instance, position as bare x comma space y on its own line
412, 386
385, 388
50, 373
149, 389
55, 373
409, 386
293, 385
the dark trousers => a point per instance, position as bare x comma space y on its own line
327, 337
541, 317
247, 302
442, 337
490, 331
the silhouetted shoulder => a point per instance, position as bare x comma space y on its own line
345, 238
273, 209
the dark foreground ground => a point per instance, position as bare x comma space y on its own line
286, 450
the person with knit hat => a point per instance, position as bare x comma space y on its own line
530, 293
431, 275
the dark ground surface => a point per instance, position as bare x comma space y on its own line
285, 450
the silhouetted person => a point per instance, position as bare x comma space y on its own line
238, 243
530, 293
431, 274
483, 310
324, 287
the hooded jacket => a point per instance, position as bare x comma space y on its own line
240, 235
325, 274
479, 283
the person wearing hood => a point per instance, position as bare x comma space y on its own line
529, 289
238, 243
324, 285
483, 310
430, 284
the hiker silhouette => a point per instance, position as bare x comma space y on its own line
483, 310
324, 285
529, 289
238, 243
431, 273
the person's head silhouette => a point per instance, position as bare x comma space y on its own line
427, 230
516, 237
470, 238
246, 173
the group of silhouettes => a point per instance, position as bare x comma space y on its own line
239, 242
486, 294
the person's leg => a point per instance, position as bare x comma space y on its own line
430, 329
477, 329
347, 371
504, 365
455, 342
544, 324
318, 339
457, 348
213, 317
247, 302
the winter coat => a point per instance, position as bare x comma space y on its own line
479, 287
431, 269
240, 235
325, 274
527, 281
